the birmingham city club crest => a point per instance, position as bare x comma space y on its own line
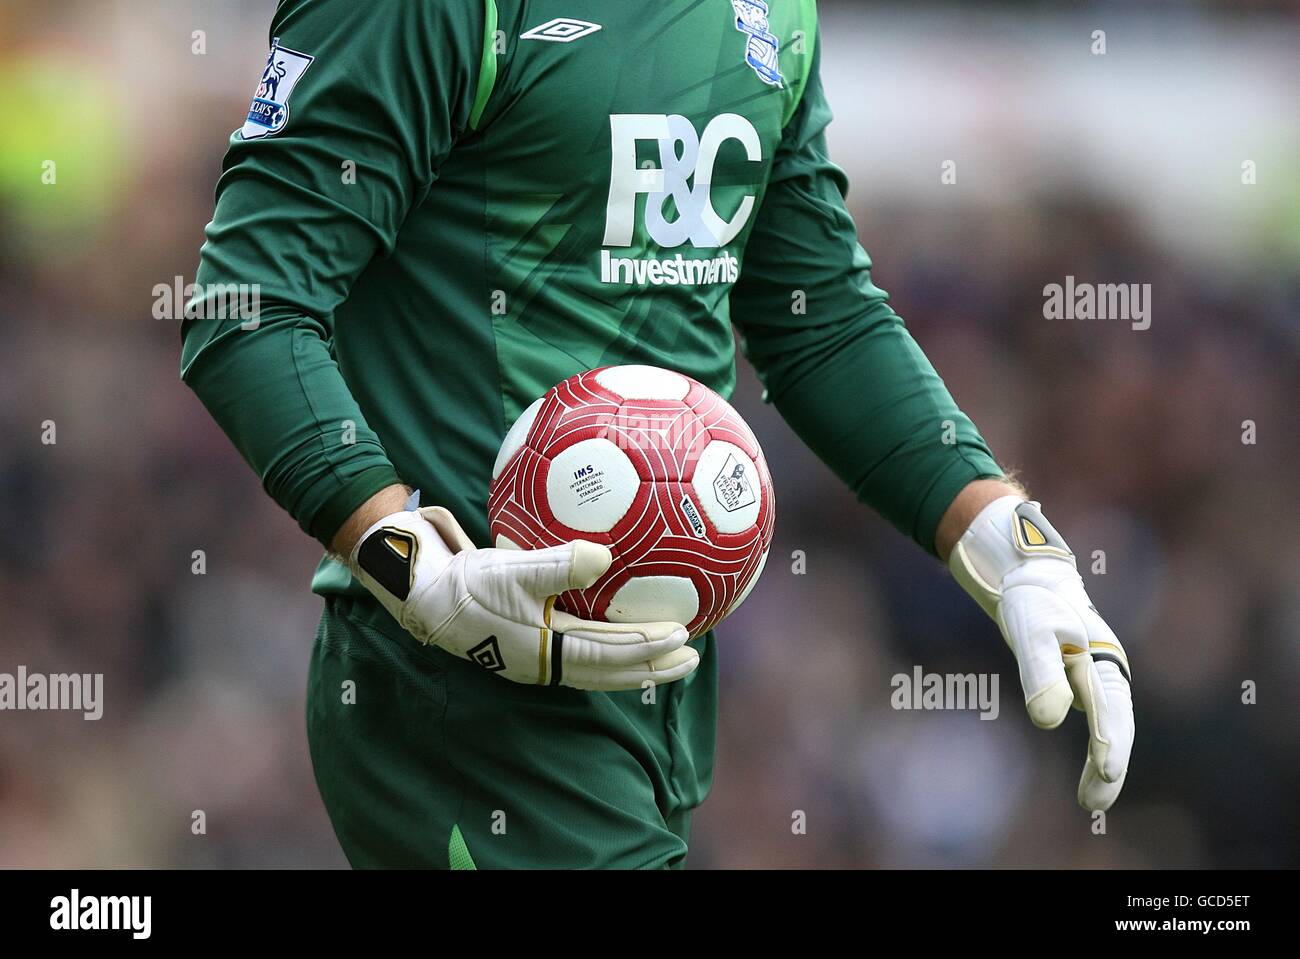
761, 45
270, 109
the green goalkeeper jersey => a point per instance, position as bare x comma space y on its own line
448, 206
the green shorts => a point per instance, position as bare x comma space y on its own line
424, 759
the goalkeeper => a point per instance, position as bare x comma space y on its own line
447, 206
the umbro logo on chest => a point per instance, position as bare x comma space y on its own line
561, 30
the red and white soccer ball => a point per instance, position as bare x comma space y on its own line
655, 466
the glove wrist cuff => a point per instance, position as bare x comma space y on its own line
1007, 533
386, 554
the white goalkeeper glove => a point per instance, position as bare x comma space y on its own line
494, 606
1019, 569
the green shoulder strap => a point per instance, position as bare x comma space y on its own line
487, 71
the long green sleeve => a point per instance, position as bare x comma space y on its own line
370, 98
835, 359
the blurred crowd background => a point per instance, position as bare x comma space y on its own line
1125, 167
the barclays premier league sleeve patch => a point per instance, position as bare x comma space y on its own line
270, 108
